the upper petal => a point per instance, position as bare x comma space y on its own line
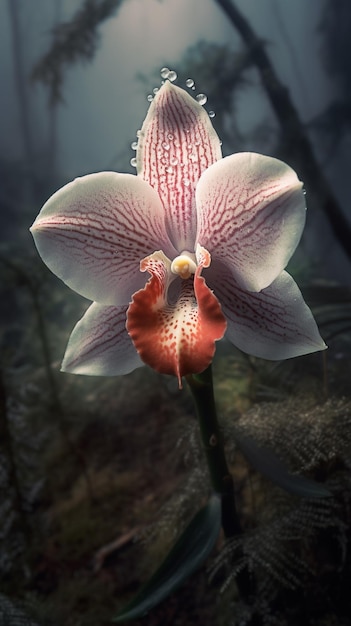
251, 213
93, 232
99, 344
175, 337
273, 324
176, 144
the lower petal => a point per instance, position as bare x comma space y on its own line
175, 338
273, 324
99, 344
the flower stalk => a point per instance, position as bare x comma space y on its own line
201, 386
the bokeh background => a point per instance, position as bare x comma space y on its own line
97, 476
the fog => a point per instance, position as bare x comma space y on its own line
100, 473
105, 101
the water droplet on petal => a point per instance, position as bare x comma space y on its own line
138, 133
169, 170
165, 145
134, 145
172, 76
201, 98
170, 137
186, 182
155, 90
211, 114
174, 161
189, 82
150, 97
133, 162
164, 72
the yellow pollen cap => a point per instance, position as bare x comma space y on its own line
184, 266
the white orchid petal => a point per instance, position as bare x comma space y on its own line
251, 213
176, 144
100, 345
93, 232
273, 324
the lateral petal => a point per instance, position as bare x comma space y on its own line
251, 213
99, 344
93, 232
177, 143
273, 324
175, 337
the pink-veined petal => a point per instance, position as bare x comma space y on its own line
251, 213
99, 344
177, 143
273, 324
93, 232
175, 338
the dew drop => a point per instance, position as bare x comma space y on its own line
133, 162
172, 76
186, 182
164, 72
169, 170
201, 98
134, 145
189, 82
138, 133
155, 90
150, 97
174, 161
165, 145
211, 114
170, 136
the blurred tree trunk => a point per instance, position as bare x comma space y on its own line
22, 94
53, 112
295, 138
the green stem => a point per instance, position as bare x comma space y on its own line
201, 386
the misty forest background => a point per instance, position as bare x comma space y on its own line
99, 476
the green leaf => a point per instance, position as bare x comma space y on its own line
190, 551
268, 464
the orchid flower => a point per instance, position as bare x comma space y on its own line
237, 220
